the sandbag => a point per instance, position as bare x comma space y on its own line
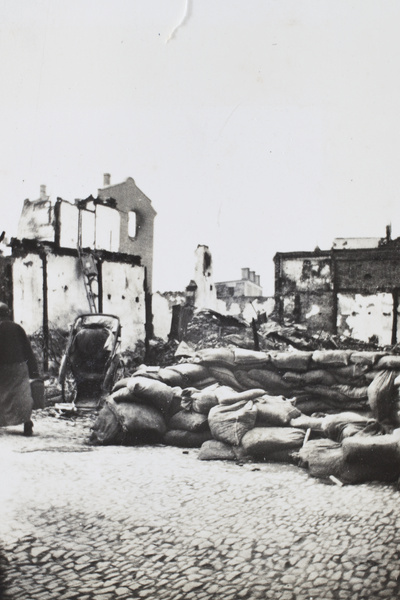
188, 421
332, 358
309, 406
229, 423
216, 356
226, 395
307, 422
381, 396
389, 362
270, 381
250, 358
365, 358
245, 381
295, 361
322, 458
170, 377
353, 392
186, 439
126, 423
189, 374
331, 394
352, 374
225, 377
143, 389
200, 401
342, 425
275, 410
261, 442
370, 459
318, 376
121, 383
215, 450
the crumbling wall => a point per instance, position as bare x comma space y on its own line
28, 292
246, 307
366, 317
100, 226
313, 309
68, 222
162, 311
206, 294
66, 296
37, 221
303, 274
124, 296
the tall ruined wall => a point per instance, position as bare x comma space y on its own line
27, 279
129, 199
205, 294
66, 296
304, 290
162, 311
124, 296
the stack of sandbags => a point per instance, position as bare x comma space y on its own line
127, 423
238, 404
257, 425
324, 381
136, 411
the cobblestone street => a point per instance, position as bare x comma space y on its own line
105, 523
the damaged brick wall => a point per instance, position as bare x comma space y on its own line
304, 290
354, 292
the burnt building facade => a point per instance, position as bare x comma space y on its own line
61, 245
352, 289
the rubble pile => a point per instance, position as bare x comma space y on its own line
208, 328
335, 412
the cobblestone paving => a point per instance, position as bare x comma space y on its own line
154, 522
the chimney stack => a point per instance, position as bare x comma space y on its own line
107, 179
252, 276
257, 279
43, 192
246, 273
388, 232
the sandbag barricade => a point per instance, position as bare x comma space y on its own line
234, 402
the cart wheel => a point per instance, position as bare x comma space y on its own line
69, 388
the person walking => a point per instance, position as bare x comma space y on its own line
17, 365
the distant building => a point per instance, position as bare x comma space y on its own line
352, 289
249, 285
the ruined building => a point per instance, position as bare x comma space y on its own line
66, 252
352, 289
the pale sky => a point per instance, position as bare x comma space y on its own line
259, 126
